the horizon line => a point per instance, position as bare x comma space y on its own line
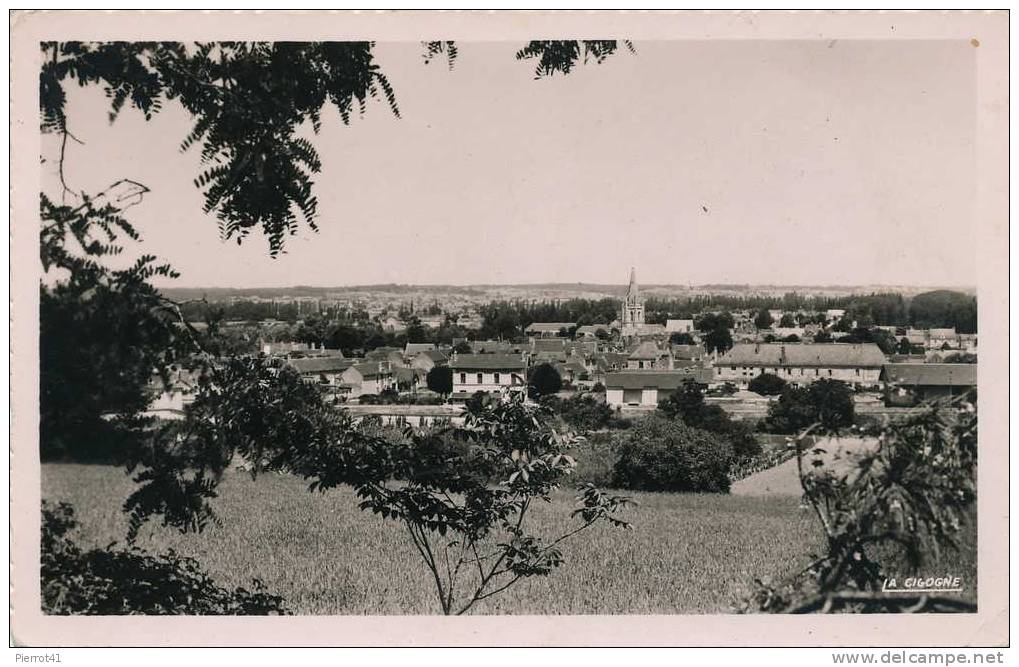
686, 286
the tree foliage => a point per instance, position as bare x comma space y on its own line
544, 380
111, 582
717, 331
681, 338
879, 337
944, 308
763, 319
824, 401
562, 55
248, 102
895, 504
688, 405
440, 380
767, 384
582, 412
104, 334
661, 454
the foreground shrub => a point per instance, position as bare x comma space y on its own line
113, 582
688, 405
661, 454
895, 508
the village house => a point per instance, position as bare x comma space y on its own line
648, 355
603, 363
171, 399
679, 326
393, 324
411, 350
942, 338
429, 359
555, 346
497, 347
407, 379
572, 371
917, 337
833, 315
470, 322
802, 363
909, 384
390, 355
282, 348
369, 377
432, 321
322, 370
647, 388
593, 330
688, 352
473, 373
549, 329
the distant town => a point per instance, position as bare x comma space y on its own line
629, 345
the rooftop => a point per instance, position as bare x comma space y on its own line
553, 327
804, 354
488, 361
321, 364
657, 379
931, 375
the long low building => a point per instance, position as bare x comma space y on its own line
802, 363
548, 328
908, 384
648, 388
408, 415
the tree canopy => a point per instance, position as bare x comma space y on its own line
248, 101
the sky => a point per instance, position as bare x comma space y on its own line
723, 161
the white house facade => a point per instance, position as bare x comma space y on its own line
473, 373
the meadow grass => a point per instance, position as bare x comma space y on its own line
687, 553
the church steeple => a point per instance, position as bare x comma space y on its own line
632, 315
633, 289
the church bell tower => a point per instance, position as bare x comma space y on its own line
632, 316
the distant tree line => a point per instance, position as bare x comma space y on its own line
939, 308
508, 320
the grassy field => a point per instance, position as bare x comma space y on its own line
688, 553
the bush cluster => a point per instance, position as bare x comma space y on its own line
767, 384
585, 413
687, 405
662, 454
393, 397
828, 403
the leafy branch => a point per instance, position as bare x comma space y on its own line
905, 497
248, 101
